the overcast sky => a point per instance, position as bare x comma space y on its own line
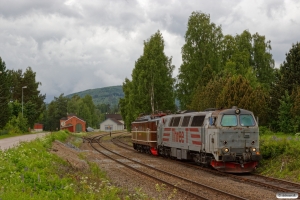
77, 45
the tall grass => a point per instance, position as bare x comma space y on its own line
281, 155
30, 171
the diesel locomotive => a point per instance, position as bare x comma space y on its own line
225, 139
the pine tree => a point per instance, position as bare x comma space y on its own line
287, 78
32, 98
235, 92
5, 85
284, 116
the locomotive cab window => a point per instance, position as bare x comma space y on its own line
229, 120
175, 121
247, 120
186, 121
197, 120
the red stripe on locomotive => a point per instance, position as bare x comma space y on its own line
193, 129
195, 136
197, 142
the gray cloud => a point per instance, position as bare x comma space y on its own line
77, 45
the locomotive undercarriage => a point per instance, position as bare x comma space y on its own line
202, 158
164, 151
142, 148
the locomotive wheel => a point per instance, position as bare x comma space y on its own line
160, 150
197, 158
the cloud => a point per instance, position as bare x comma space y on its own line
77, 45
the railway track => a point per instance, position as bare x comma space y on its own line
190, 188
274, 184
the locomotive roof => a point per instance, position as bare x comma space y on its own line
189, 113
233, 111
146, 118
213, 111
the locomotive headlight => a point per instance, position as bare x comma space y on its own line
225, 150
253, 149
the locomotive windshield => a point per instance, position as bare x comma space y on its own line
247, 120
229, 120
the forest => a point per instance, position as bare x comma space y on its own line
217, 71
22, 104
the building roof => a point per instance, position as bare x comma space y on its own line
115, 116
70, 116
114, 120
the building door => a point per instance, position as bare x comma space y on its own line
78, 127
108, 127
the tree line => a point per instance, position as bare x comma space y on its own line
217, 71
22, 104
83, 108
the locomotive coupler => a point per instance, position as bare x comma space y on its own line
242, 163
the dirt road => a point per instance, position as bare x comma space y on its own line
14, 141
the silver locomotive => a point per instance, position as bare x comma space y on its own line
226, 139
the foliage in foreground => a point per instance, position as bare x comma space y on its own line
281, 155
31, 172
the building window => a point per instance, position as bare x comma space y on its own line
108, 127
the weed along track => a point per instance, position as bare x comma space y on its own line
190, 188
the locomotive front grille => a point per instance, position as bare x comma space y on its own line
238, 151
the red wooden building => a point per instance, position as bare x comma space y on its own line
72, 123
38, 127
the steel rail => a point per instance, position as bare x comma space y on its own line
271, 185
179, 177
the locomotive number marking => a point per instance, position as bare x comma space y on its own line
178, 137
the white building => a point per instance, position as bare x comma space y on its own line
111, 124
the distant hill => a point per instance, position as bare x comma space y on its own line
106, 95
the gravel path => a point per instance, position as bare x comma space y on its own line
7, 143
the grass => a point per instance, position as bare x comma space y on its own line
29, 171
281, 155
10, 135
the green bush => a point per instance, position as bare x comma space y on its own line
272, 148
17, 125
281, 155
3, 132
263, 130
